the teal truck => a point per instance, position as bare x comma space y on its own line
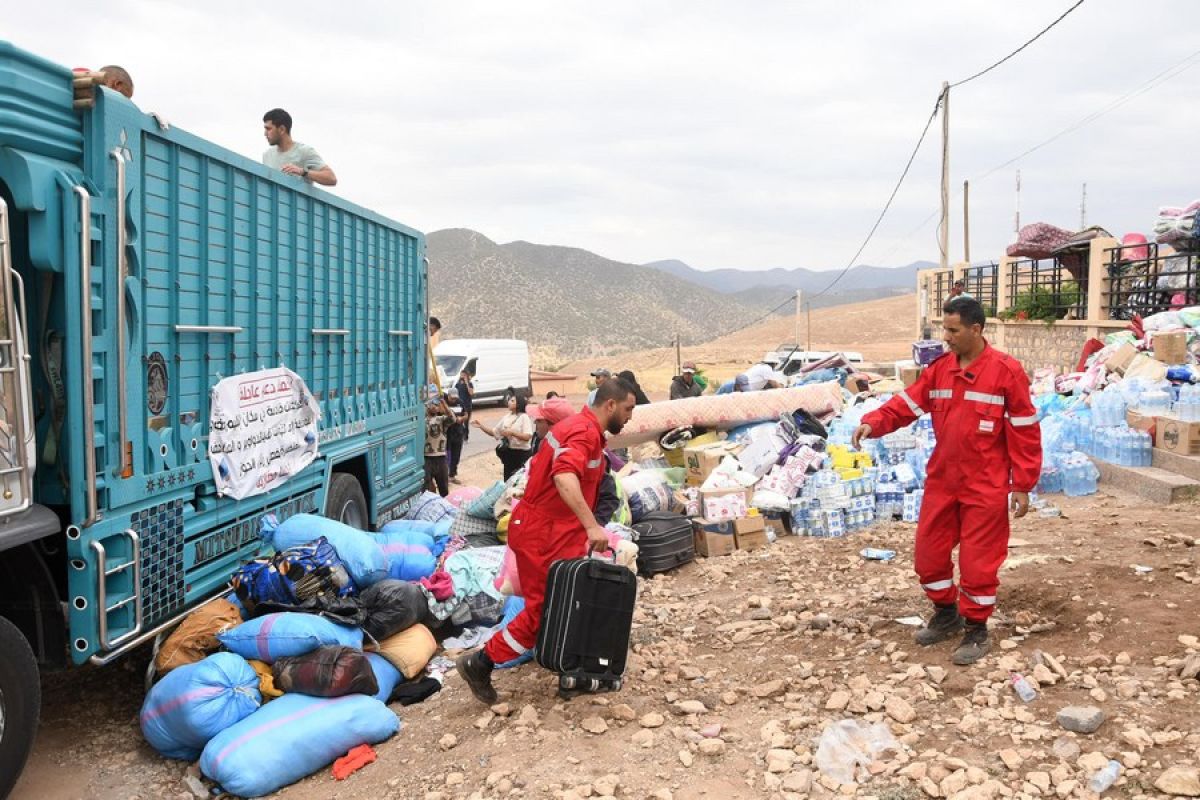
142, 268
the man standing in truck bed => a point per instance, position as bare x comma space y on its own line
987, 459
292, 157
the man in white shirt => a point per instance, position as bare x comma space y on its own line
292, 157
760, 376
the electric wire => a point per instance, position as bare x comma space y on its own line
1037, 36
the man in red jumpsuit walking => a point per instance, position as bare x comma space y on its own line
554, 521
988, 450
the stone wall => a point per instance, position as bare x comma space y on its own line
1037, 344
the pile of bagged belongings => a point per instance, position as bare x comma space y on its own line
296, 666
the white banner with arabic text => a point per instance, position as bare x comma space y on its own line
262, 431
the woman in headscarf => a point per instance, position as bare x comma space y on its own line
638, 395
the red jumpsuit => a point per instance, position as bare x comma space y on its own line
988, 444
543, 529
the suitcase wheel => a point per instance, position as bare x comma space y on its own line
615, 684
593, 685
567, 682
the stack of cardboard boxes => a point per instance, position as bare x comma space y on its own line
1170, 432
722, 519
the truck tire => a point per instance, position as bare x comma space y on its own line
20, 704
345, 501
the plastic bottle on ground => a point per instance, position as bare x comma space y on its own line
1105, 778
1022, 687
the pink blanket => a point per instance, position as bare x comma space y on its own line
727, 410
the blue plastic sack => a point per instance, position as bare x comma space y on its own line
195, 702
409, 552
291, 737
288, 633
357, 549
386, 675
441, 536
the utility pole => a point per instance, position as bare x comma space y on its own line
1017, 218
799, 295
967, 222
944, 239
678, 354
808, 346
1083, 209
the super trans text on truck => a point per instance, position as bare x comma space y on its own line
139, 268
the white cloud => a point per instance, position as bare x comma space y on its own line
754, 135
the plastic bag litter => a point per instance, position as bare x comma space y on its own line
292, 737
358, 550
849, 744
392, 606
330, 671
195, 702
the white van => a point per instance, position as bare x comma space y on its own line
497, 364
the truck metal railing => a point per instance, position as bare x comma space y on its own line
1047, 289
1148, 278
16, 405
126, 452
85, 349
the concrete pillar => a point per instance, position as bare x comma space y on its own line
1097, 270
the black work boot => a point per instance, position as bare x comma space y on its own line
974, 645
476, 669
944, 624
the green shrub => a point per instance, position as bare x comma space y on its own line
1044, 303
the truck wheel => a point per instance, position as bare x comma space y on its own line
345, 501
20, 704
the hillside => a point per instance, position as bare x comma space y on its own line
737, 280
882, 330
568, 303
768, 297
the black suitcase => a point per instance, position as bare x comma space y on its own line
586, 620
664, 542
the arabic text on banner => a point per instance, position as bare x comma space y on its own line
262, 431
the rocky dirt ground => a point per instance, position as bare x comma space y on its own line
739, 663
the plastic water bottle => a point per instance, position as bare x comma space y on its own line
1023, 688
1105, 778
1147, 448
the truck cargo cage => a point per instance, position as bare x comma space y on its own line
16, 423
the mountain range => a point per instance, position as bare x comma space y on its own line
569, 303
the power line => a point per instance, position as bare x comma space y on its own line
1039, 35
1170, 73
912, 157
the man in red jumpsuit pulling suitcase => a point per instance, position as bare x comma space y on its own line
987, 459
554, 521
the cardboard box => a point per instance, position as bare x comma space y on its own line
1120, 360
722, 504
908, 375
1140, 422
713, 538
702, 459
1171, 347
750, 532
1178, 436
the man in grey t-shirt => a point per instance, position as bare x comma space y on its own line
292, 157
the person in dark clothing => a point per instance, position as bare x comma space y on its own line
466, 398
684, 384
455, 434
638, 395
437, 419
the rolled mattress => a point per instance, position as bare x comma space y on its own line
723, 411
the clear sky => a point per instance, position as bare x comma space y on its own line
751, 135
